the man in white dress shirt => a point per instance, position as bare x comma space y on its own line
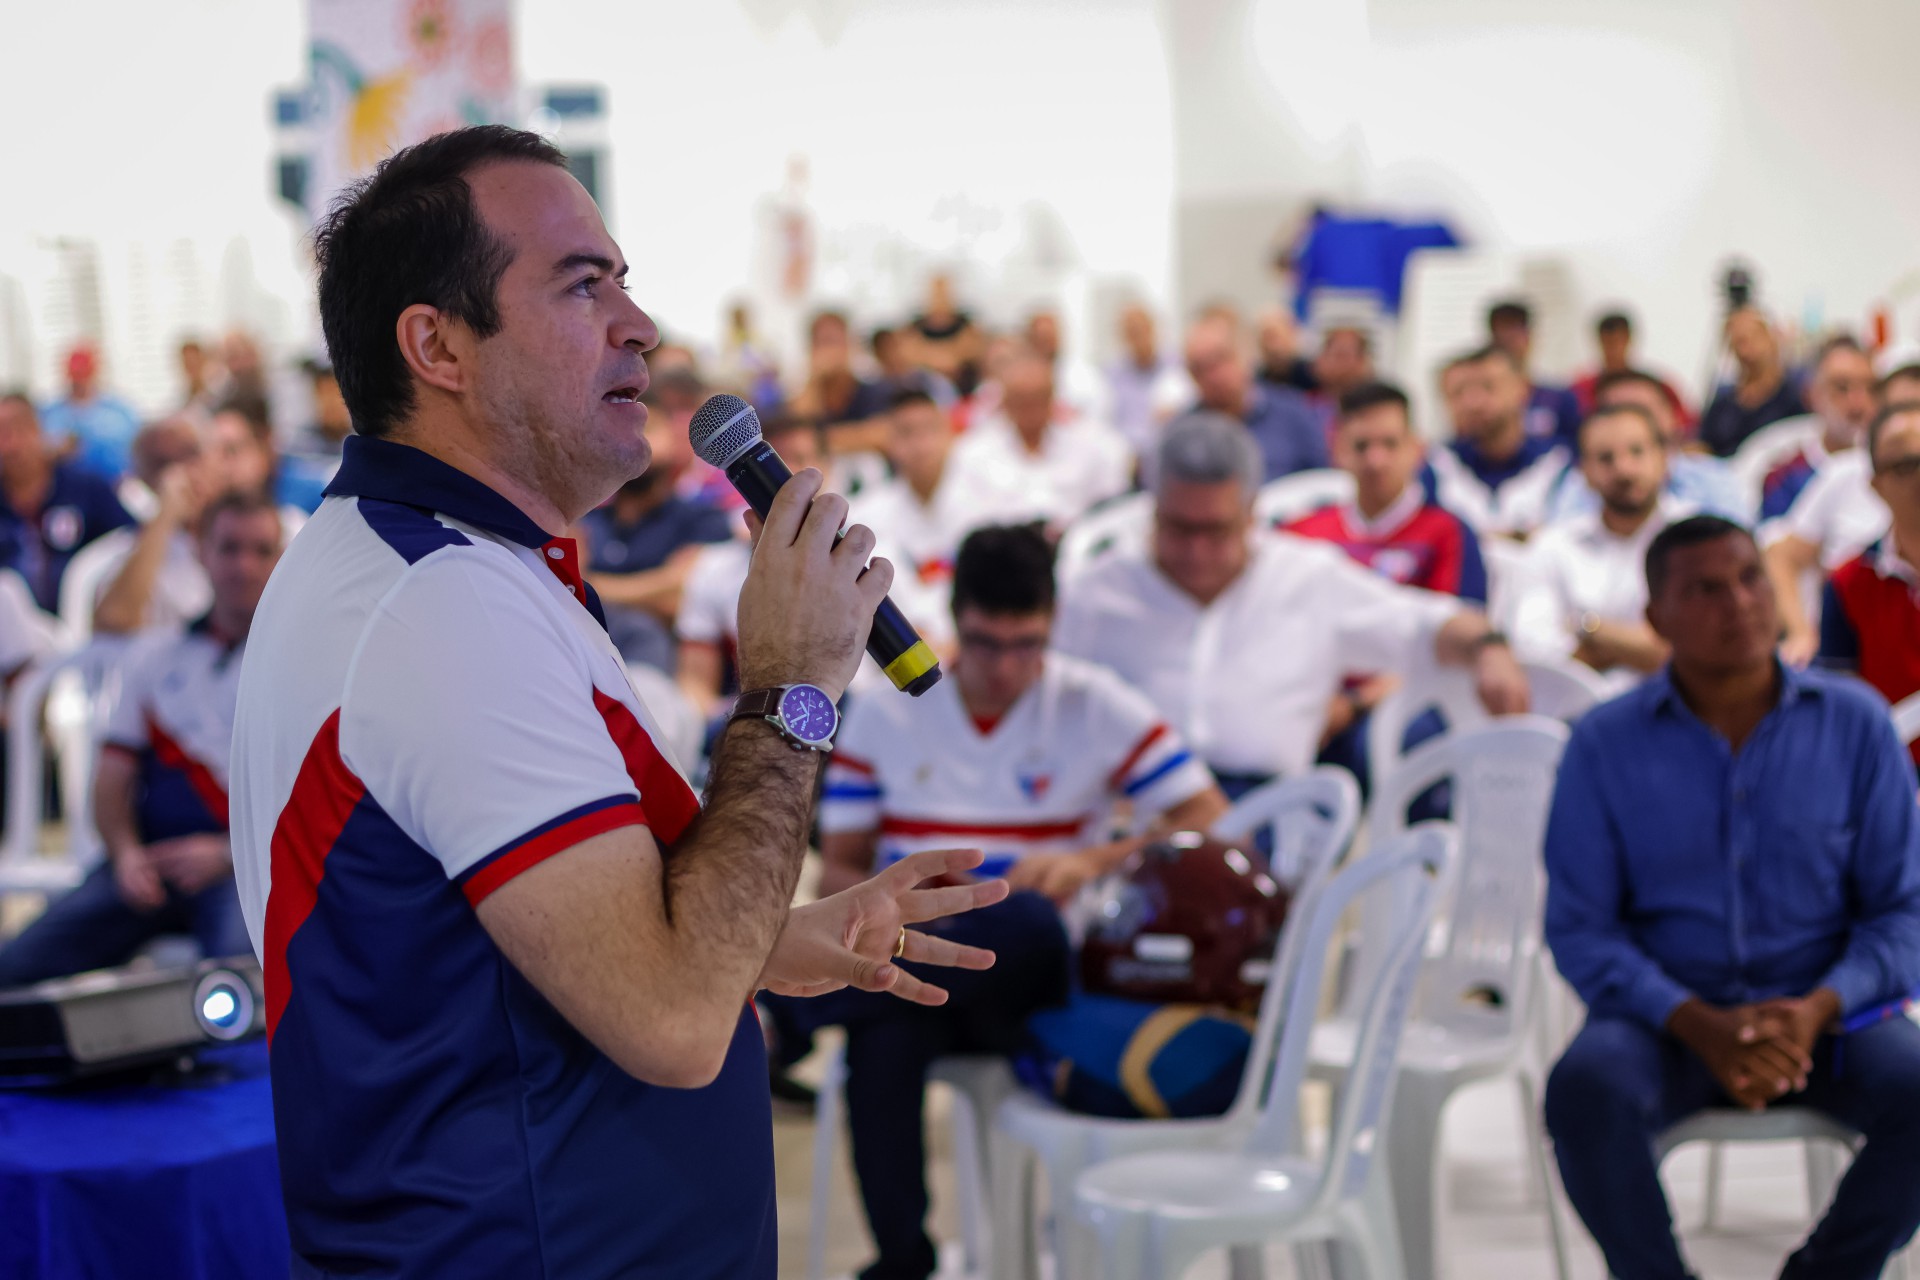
1584, 592
918, 516
1034, 460
1241, 637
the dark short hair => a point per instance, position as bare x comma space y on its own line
1372, 395
1878, 428
828, 315
1619, 411
1838, 342
1510, 311
909, 396
1479, 355
1004, 569
1694, 531
1909, 370
1614, 322
409, 233
253, 410
17, 395
780, 424
1623, 377
238, 502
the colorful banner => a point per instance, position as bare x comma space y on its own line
387, 73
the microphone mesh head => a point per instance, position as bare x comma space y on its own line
724, 428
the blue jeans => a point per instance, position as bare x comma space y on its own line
1620, 1084
891, 1044
93, 928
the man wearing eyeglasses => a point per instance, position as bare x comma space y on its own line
1024, 753
1870, 624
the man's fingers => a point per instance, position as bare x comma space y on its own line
912, 989
754, 525
923, 948
922, 905
790, 508
876, 579
928, 863
856, 546
824, 520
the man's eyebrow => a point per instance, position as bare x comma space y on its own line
574, 261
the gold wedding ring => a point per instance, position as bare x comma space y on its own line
900, 944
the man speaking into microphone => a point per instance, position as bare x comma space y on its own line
508, 954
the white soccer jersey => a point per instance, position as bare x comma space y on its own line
1080, 463
1040, 780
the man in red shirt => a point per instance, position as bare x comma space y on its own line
1870, 624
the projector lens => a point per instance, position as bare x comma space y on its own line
223, 1005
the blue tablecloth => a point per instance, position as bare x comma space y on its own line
135, 1182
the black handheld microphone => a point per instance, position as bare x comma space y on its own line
726, 433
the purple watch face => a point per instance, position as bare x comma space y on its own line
809, 713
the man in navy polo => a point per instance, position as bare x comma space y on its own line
1733, 860
508, 954
48, 509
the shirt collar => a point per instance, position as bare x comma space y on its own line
1662, 696
1398, 512
1890, 564
388, 471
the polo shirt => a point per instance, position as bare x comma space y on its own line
1246, 679
1553, 413
646, 543
1725, 423
430, 706
1290, 435
1414, 542
1043, 778
1504, 497
79, 507
1677, 868
1580, 567
173, 712
995, 476
1870, 623
104, 426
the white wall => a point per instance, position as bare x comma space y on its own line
1642, 141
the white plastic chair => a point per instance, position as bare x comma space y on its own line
1474, 1018
1119, 525
1825, 1138
1313, 818
1290, 497
1766, 449
1906, 718
1153, 1214
83, 673
1559, 691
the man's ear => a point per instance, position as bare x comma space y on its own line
1653, 615
428, 345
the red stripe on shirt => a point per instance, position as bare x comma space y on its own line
199, 776
1007, 830
855, 763
1119, 776
324, 795
670, 803
546, 844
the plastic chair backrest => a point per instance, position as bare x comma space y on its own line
1486, 932
1405, 872
1565, 691
26, 746
1506, 562
1559, 691
86, 577
1906, 717
1766, 449
1313, 818
1119, 525
1290, 497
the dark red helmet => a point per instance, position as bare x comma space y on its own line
1190, 920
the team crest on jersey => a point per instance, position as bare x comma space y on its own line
1034, 781
1396, 563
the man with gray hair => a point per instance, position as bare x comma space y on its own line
1242, 636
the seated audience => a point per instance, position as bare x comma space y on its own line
1022, 751
834, 394
1552, 412
88, 425
1277, 338
641, 545
920, 514
1077, 386
1279, 418
1345, 361
1733, 862
1841, 395
1870, 623
151, 576
1705, 482
315, 453
241, 446
1613, 334
1145, 387
1243, 637
1494, 472
946, 340
160, 786
49, 509
1763, 390
1033, 459
1836, 517
1582, 594
197, 377
893, 357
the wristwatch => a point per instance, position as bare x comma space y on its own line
802, 714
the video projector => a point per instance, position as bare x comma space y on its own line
115, 1019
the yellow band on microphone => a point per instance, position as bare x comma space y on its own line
911, 665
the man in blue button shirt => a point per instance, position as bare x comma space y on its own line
1734, 869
